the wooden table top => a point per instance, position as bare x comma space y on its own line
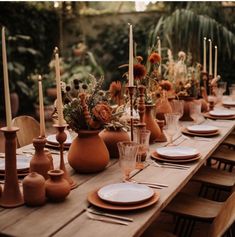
69, 219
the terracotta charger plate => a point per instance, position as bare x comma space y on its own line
155, 156
207, 115
187, 132
94, 199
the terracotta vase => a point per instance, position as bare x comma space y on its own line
40, 162
34, 189
88, 153
111, 137
162, 107
57, 188
162, 137
186, 115
151, 124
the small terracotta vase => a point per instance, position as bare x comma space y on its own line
162, 137
162, 107
88, 153
186, 115
204, 106
57, 188
34, 189
151, 124
111, 137
40, 162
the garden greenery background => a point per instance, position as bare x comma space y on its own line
36, 28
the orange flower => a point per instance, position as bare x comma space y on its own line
139, 71
155, 58
166, 85
115, 90
102, 112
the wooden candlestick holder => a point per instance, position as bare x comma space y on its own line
209, 83
61, 138
11, 196
205, 80
131, 93
141, 105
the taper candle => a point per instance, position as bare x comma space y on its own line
59, 105
41, 107
216, 56
204, 55
131, 76
159, 52
6, 82
210, 57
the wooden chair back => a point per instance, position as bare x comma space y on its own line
225, 218
29, 129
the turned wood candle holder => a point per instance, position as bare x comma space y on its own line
131, 93
205, 80
61, 138
141, 105
209, 83
11, 195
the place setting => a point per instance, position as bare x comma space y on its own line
201, 130
224, 114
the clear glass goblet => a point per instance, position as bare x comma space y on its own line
172, 126
127, 158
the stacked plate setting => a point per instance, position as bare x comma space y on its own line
123, 196
201, 130
22, 166
176, 154
221, 114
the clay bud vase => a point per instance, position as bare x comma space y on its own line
34, 189
111, 136
186, 115
151, 124
40, 162
57, 188
88, 152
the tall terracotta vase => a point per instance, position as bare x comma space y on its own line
186, 115
111, 137
88, 153
151, 123
162, 107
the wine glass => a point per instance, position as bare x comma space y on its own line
195, 111
177, 107
172, 125
141, 136
127, 158
232, 92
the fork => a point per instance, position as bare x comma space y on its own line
169, 165
97, 218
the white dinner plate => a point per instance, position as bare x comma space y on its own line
22, 162
222, 113
177, 152
52, 139
229, 102
201, 128
125, 193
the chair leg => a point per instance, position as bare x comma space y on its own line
230, 168
188, 229
219, 165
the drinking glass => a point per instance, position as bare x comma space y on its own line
232, 92
177, 107
172, 125
141, 136
195, 111
222, 85
127, 158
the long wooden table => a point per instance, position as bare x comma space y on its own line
69, 218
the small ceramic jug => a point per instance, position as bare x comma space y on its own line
34, 189
57, 188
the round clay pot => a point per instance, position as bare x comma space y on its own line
204, 105
151, 124
34, 189
162, 107
40, 162
57, 188
186, 115
88, 153
111, 137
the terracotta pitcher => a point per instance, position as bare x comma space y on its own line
111, 137
151, 124
88, 153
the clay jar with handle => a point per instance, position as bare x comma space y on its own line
88, 152
40, 162
34, 189
111, 137
57, 188
151, 124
